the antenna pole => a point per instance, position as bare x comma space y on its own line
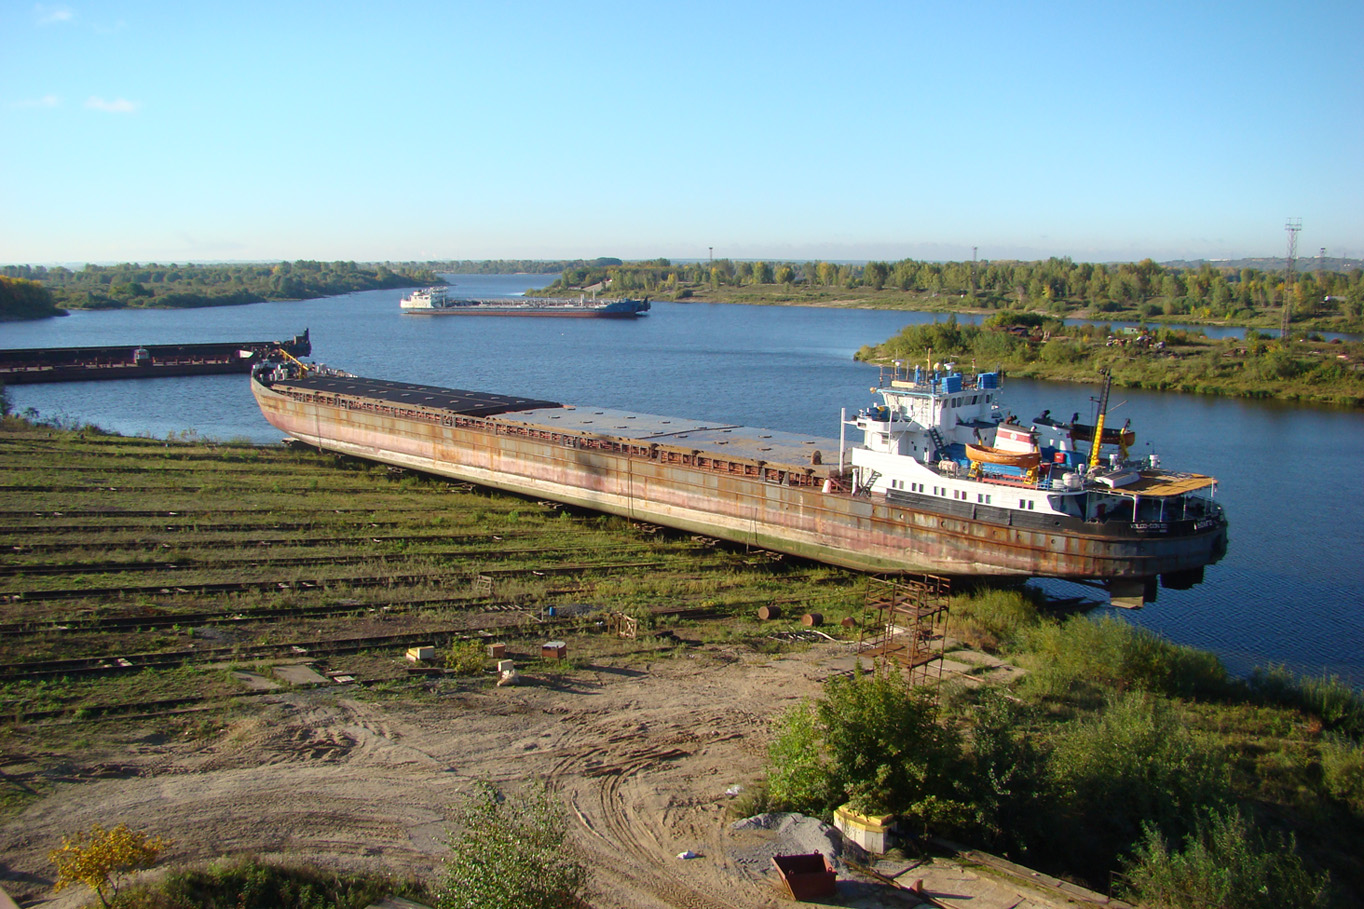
1293, 226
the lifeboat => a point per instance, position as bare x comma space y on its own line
984, 454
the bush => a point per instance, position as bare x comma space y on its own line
870, 741
1059, 351
887, 751
102, 859
466, 658
1006, 772
798, 774
1133, 764
1339, 707
992, 619
1342, 770
250, 883
511, 855
1081, 660
1225, 864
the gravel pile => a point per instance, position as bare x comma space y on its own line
791, 834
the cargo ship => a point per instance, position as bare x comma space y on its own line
941, 481
437, 301
23, 366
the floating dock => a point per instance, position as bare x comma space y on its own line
22, 366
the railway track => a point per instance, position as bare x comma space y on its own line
255, 560
204, 513
265, 542
125, 591
88, 667
177, 527
243, 617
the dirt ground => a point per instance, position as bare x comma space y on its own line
641, 751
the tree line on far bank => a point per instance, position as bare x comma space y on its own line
1318, 298
1145, 289
28, 291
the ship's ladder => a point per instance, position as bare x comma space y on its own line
865, 487
938, 443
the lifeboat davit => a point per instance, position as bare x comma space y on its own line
984, 454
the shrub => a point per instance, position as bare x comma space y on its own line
798, 774
1335, 703
1060, 351
1006, 771
1081, 659
511, 855
887, 751
102, 859
1225, 864
250, 883
466, 658
992, 619
1342, 769
1134, 763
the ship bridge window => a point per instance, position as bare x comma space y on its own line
1151, 509
1104, 507
1069, 505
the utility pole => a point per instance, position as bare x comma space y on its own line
1293, 226
974, 249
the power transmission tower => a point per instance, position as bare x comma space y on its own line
1293, 226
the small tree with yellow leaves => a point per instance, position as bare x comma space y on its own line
101, 859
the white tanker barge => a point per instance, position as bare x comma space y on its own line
939, 483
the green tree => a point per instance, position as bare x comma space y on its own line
511, 855
102, 859
887, 751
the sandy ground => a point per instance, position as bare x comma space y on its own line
640, 752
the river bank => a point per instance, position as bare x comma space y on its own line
1314, 372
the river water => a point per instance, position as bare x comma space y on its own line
1289, 592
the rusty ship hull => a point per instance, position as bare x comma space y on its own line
757, 487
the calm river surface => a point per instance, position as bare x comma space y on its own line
1290, 590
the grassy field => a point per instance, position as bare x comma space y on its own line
141, 575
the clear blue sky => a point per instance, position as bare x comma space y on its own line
155, 131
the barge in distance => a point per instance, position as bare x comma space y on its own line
23, 366
436, 301
941, 482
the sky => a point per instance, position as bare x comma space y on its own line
151, 131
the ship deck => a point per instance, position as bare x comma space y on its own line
454, 400
728, 441
731, 441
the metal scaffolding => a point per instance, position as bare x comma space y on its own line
905, 625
